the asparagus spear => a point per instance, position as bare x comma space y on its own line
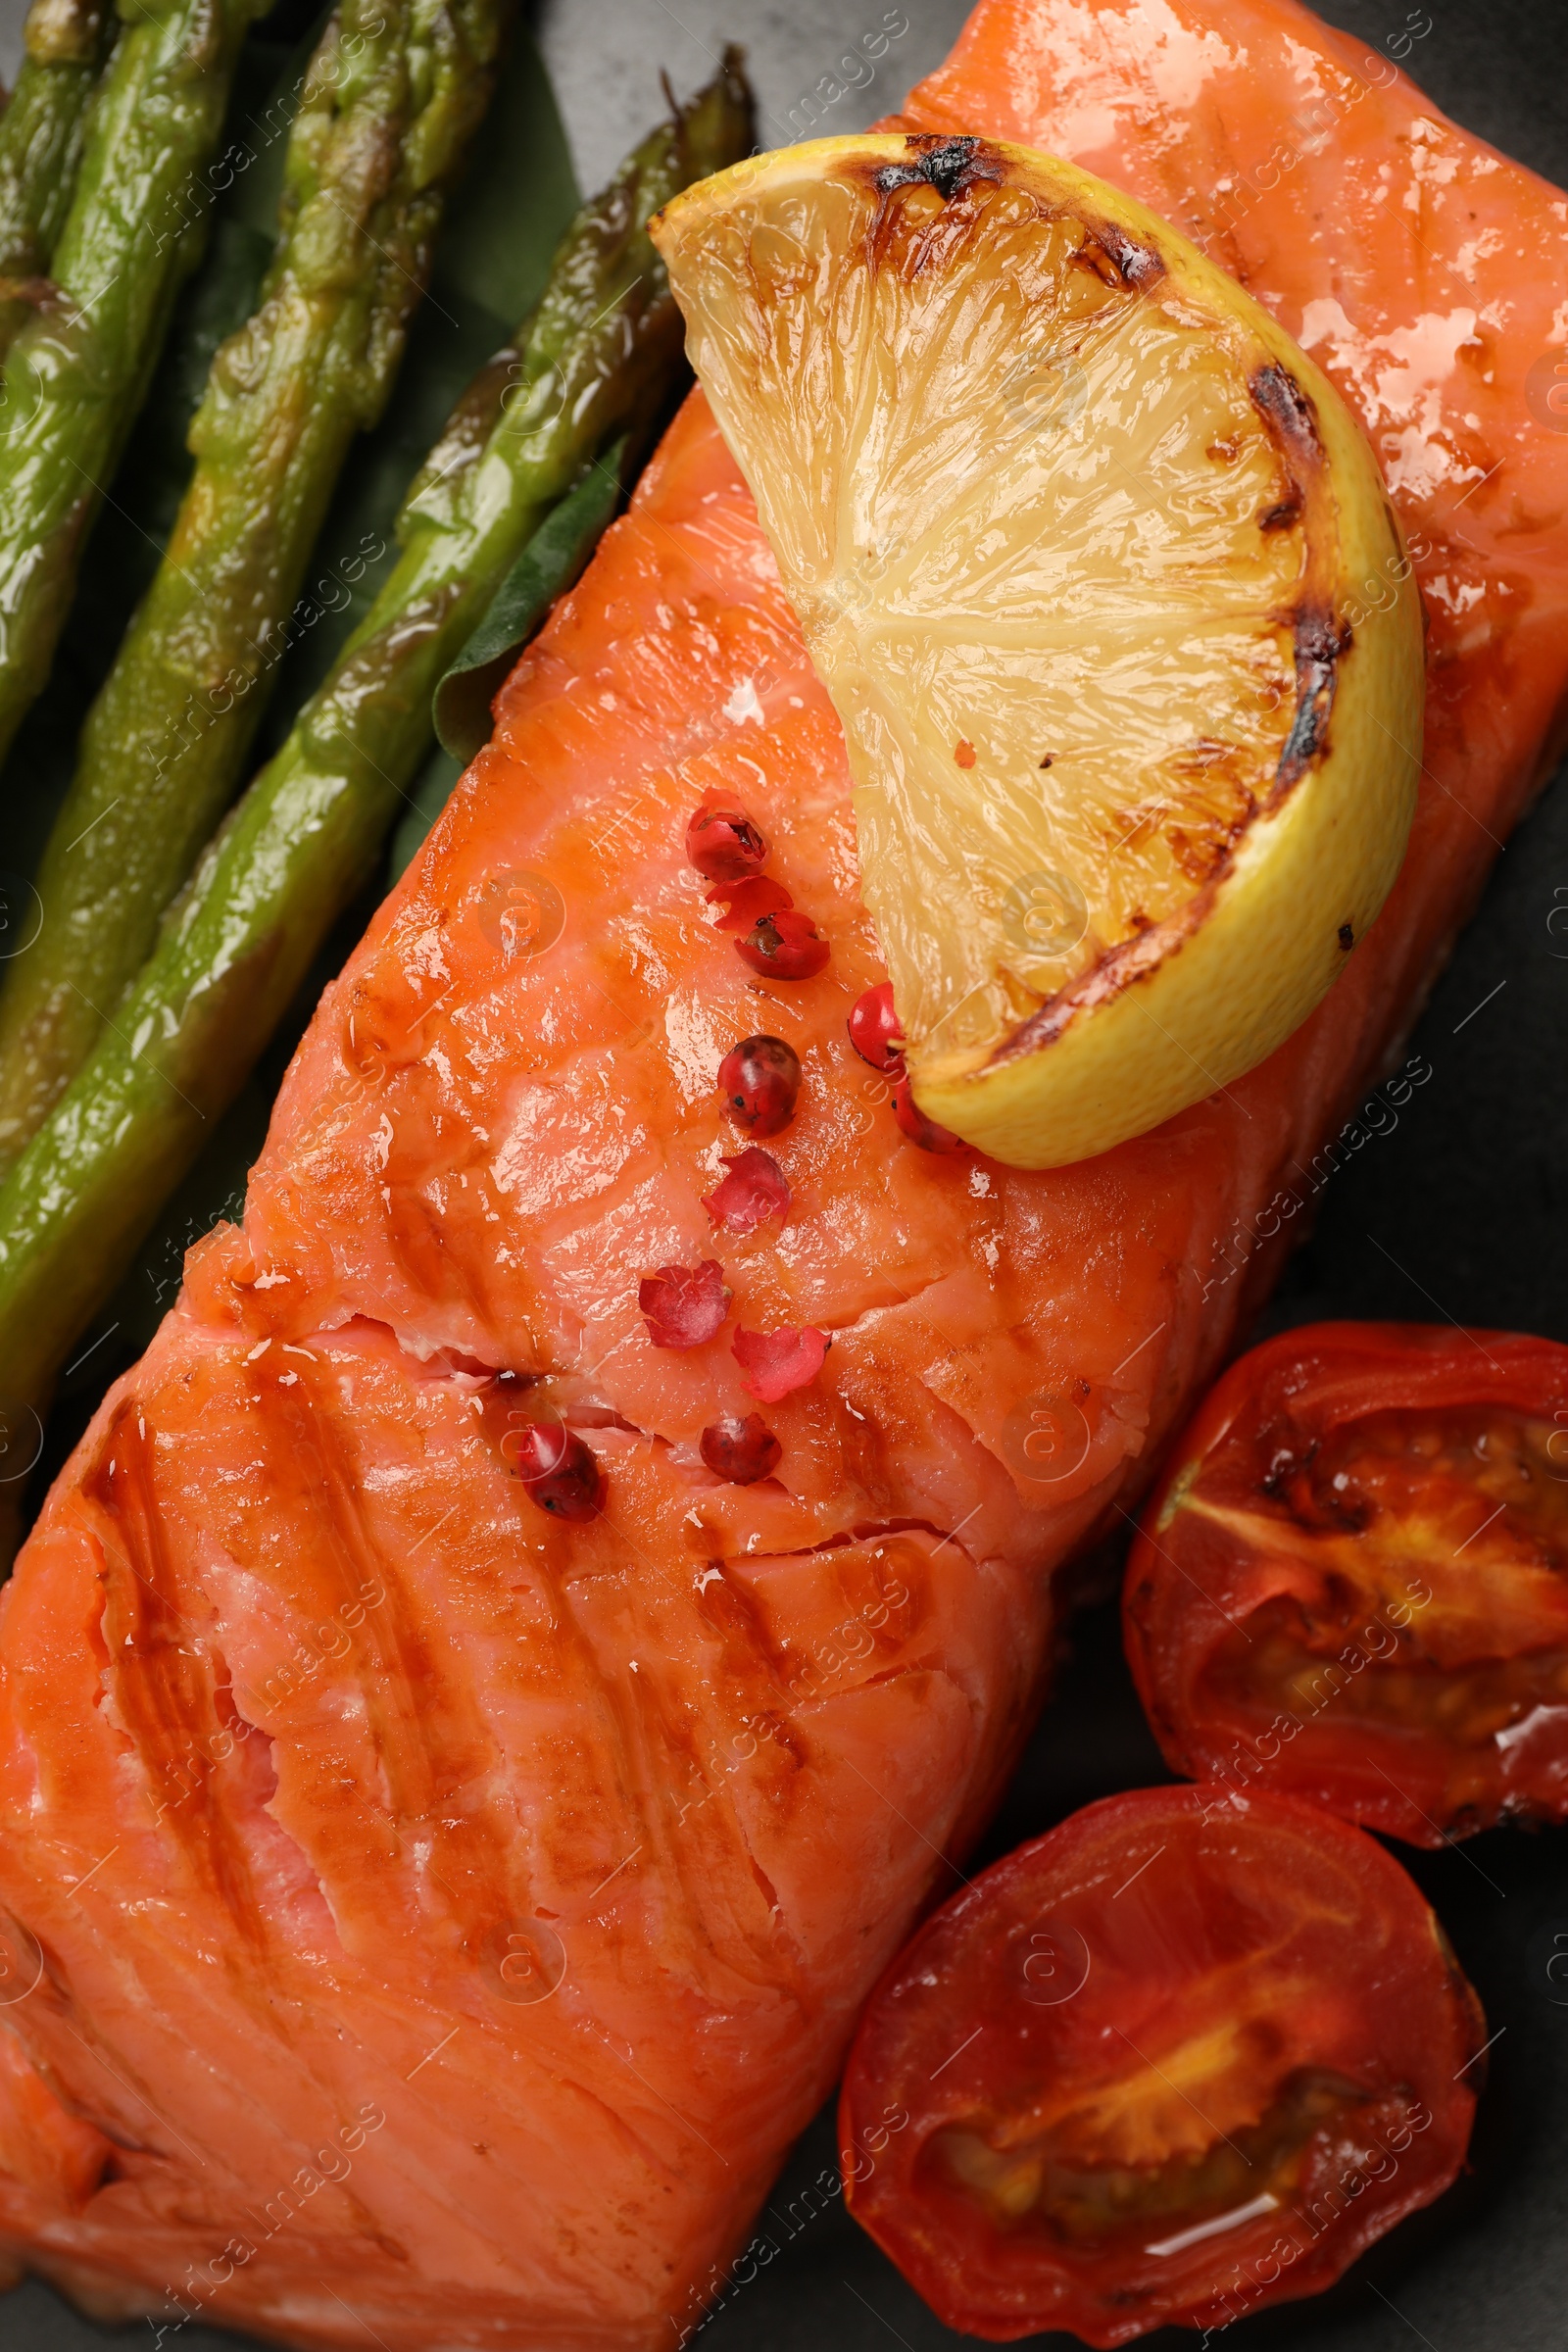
65, 43
601, 349
75, 374
394, 93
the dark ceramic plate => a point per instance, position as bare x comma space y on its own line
1470, 1195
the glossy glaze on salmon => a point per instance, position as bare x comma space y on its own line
430, 1921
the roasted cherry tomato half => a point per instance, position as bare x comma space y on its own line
1353, 1582
1184, 2056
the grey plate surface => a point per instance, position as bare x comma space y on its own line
1470, 1193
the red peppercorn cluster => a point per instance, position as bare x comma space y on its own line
759, 1080
730, 848
875, 1035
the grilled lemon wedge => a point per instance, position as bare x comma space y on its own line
1076, 535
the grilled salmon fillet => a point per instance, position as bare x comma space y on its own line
428, 1920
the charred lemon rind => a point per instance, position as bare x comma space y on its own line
1265, 944
1220, 1000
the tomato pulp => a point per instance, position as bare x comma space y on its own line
1352, 1581
1184, 2056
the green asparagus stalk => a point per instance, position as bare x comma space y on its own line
394, 93
601, 350
65, 44
77, 372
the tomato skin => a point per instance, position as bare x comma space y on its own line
1171, 1912
1412, 1777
